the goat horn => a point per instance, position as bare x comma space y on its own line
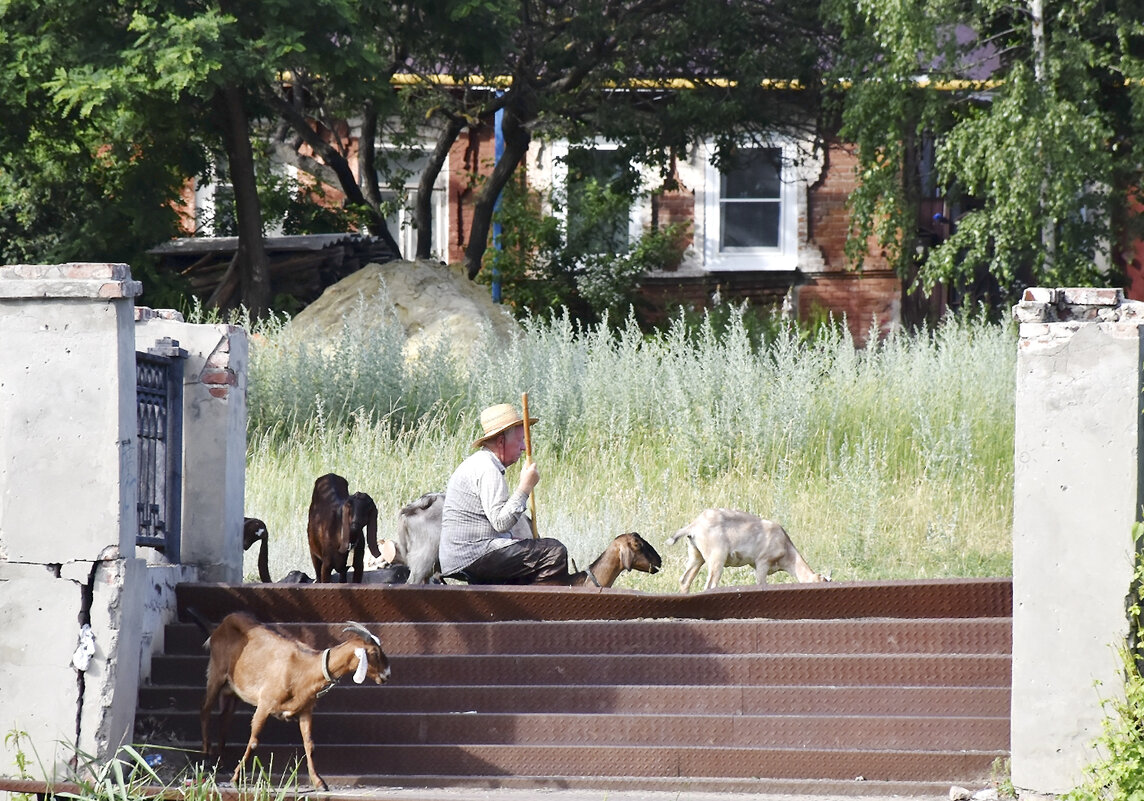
361, 631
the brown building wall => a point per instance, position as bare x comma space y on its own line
866, 297
473, 153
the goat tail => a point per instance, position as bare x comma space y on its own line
677, 536
203, 624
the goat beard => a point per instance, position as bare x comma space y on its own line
362, 665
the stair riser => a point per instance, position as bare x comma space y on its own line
635, 700
576, 761
757, 731
989, 636
748, 670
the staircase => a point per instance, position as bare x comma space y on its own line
789, 689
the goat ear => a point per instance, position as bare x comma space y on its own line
626, 558
344, 533
371, 531
362, 665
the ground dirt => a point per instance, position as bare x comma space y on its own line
430, 299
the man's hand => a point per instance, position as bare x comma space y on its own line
529, 476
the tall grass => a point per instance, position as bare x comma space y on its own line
893, 461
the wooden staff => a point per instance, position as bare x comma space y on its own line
528, 454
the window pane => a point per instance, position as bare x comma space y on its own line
598, 214
750, 225
757, 174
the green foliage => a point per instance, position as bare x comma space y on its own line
583, 264
1118, 773
890, 462
1039, 164
16, 739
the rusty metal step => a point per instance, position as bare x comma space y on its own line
930, 670
966, 598
866, 636
871, 732
904, 684
629, 699
383, 764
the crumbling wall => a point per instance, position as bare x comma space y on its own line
1076, 495
69, 581
81, 611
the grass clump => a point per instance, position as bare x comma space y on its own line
892, 461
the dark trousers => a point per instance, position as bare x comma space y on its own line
533, 561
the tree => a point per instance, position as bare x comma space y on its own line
77, 183
643, 73
1033, 112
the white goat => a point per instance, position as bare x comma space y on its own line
725, 537
418, 536
279, 676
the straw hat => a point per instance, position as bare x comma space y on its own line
498, 419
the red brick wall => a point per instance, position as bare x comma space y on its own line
872, 293
473, 152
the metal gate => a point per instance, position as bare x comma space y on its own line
159, 411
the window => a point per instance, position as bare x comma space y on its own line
599, 214
750, 201
751, 212
215, 213
398, 174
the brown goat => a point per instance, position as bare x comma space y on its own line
626, 552
336, 523
279, 676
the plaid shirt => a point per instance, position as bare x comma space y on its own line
479, 512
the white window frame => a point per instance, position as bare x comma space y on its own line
406, 234
785, 255
637, 213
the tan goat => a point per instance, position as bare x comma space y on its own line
280, 676
726, 537
628, 551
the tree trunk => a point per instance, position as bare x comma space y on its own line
347, 182
423, 207
253, 268
516, 141
367, 156
1040, 73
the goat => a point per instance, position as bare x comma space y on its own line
336, 522
254, 530
418, 535
279, 676
626, 552
726, 537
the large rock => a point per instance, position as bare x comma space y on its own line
431, 300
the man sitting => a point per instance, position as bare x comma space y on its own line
478, 542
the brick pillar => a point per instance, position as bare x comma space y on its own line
214, 438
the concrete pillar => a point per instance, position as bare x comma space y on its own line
67, 508
1076, 495
214, 438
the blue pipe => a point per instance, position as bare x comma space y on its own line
498, 152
